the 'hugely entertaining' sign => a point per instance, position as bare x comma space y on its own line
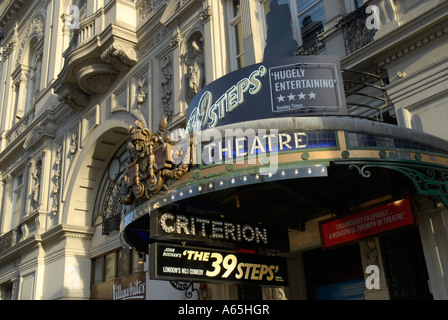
294, 86
212, 265
305, 87
368, 223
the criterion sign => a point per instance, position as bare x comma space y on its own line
173, 262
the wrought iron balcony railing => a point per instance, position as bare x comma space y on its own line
312, 47
354, 30
10, 239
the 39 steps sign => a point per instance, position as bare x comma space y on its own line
172, 262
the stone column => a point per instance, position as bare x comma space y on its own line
215, 44
371, 256
253, 48
15, 288
21, 99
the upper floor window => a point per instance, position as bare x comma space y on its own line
82, 5
352, 5
236, 36
311, 15
16, 200
308, 17
34, 64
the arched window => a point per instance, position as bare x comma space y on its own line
108, 201
33, 62
26, 76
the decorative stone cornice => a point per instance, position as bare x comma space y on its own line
403, 40
74, 97
175, 9
9, 48
205, 14
96, 78
147, 7
68, 231
414, 45
122, 57
9, 10
35, 26
37, 135
176, 39
92, 66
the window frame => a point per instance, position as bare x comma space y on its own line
233, 22
350, 5
16, 214
298, 15
135, 265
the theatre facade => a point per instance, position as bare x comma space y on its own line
223, 149
272, 186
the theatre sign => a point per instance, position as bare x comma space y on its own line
289, 87
210, 248
168, 226
370, 222
214, 265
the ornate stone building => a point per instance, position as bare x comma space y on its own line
76, 74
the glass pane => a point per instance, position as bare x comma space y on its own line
20, 180
137, 263
17, 207
314, 14
236, 7
239, 38
312, 21
98, 270
110, 266
18, 200
123, 263
305, 4
114, 168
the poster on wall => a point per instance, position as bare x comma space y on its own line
173, 262
367, 223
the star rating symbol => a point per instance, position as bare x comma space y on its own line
281, 98
301, 96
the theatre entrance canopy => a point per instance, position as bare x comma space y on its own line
274, 145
